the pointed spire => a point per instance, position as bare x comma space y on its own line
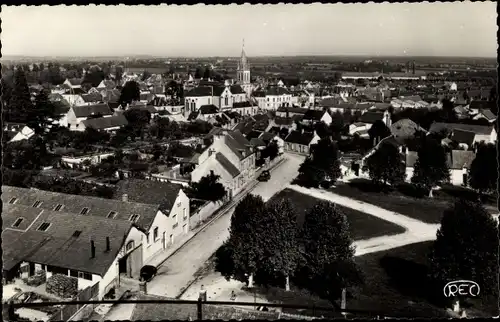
243, 64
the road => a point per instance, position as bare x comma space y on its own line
178, 271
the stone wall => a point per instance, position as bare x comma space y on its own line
62, 285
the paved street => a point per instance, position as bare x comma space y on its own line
178, 271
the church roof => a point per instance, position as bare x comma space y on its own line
243, 63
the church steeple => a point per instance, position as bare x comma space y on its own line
243, 63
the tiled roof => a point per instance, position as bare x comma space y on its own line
208, 109
161, 312
199, 91
488, 114
267, 136
315, 115
461, 136
236, 89
149, 192
88, 110
478, 129
92, 98
257, 142
150, 108
276, 90
238, 144
371, 117
242, 104
480, 105
57, 245
300, 138
98, 207
253, 134
103, 123
227, 165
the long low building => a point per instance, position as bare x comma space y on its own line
93, 239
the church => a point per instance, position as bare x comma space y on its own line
243, 73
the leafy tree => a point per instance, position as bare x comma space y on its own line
378, 131
338, 124
44, 113
484, 169
448, 112
280, 242
385, 165
323, 166
19, 106
26, 154
466, 247
326, 263
271, 151
207, 73
431, 167
198, 74
246, 236
322, 129
138, 119
208, 188
130, 92
145, 75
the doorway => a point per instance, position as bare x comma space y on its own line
164, 240
171, 239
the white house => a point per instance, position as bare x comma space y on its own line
17, 131
74, 100
276, 96
459, 162
300, 142
198, 97
77, 114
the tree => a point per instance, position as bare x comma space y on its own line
484, 169
431, 167
208, 188
378, 131
145, 75
19, 106
198, 73
385, 165
271, 151
338, 124
246, 236
280, 244
130, 92
138, 119
466, 247
322, 129
448, 112
207, 73
326, 262
44, 113
323, 166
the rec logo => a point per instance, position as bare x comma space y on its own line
461, 288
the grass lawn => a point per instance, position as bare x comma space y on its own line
396, 280
424, 209
363, 226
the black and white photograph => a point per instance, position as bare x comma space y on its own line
249, 162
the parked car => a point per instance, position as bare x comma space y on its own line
148, 272
264, 176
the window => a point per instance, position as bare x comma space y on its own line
184, 213
77, 233
130, 245
84, 211
58, 207
43, 267
37, 203
175, 218
73, 273
133, 218
226, 101
111, 214
13, 200
155, 234
147, 238
44, 226
18, 222
86, 276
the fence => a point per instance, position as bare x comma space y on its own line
67, 311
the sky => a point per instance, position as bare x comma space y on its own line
388, 29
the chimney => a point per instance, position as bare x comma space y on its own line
108, 246
125, 197
92, 249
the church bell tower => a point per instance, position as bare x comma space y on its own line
243, 72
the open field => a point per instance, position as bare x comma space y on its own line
363, 226
424, 209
